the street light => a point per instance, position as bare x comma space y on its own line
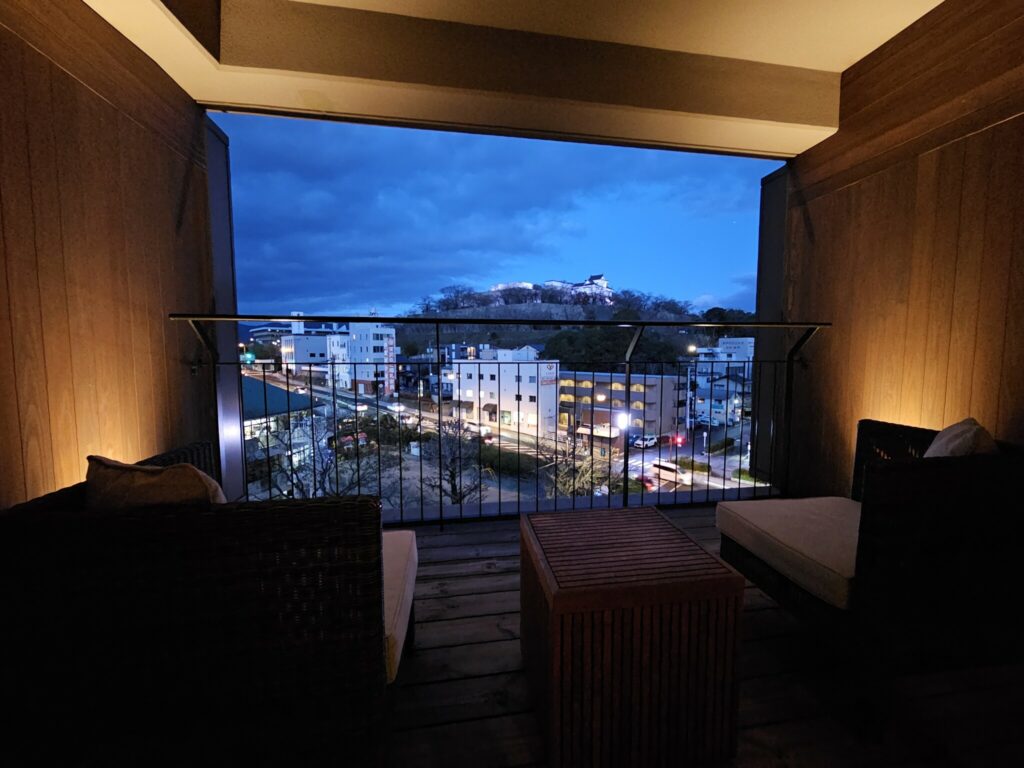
704, 451
621, 420
692, 349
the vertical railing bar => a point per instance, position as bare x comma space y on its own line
288, 417
419, 422
787, 416
519, 440
590, 442
440, 410
380, 442
400, 410
241, 434
536, 437
498, 428
312, 432
457, 401
558, 444
480, 441
771, 423
355, 421
331, 365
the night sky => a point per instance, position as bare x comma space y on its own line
333, 218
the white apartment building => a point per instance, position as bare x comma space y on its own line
361, 358
509, 388
371, 359
732, 357
303, 354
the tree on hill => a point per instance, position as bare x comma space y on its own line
722, 315
602, 349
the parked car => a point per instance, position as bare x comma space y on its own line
668, 472
645, 441
648, 482
479, 429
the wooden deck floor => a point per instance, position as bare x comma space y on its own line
462, 698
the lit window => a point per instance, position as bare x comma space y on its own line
618, 385
567, 398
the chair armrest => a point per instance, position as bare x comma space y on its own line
881, 440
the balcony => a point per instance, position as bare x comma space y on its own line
463, 699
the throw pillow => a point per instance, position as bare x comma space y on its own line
962, 439
113, 485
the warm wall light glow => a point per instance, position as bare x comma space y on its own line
600, 397
692, 348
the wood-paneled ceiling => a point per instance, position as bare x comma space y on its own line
734, 76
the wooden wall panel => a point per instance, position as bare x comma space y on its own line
103, 217
915, 208
29, 371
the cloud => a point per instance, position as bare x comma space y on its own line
332, 217
744, 297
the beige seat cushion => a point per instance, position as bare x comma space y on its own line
812, 542
112, 484
400, 561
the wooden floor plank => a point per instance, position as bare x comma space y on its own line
434, 634
451, 701
462, 606
461, 697
450, 569
451, 663
467, 585
512, 741
468, 552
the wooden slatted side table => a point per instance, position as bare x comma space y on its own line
629, 636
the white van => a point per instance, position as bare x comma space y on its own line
668, 472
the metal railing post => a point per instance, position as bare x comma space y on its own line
787, 405
629, 404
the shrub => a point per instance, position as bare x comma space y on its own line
510, 463
694, 465
720, 445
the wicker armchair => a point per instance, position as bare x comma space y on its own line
935, 549
244, 631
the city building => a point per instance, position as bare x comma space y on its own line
370, 367
597, 404
506, 388
731, 356
361, 358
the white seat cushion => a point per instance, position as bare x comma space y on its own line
812, 542
400, 562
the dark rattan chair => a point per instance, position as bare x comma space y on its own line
937, 551
243, 632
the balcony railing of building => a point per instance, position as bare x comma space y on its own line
467, 438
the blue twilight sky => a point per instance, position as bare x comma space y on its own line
336, 218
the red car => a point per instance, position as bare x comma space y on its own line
649, 483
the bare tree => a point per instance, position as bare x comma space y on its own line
456, 452
566, 473
305, 462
